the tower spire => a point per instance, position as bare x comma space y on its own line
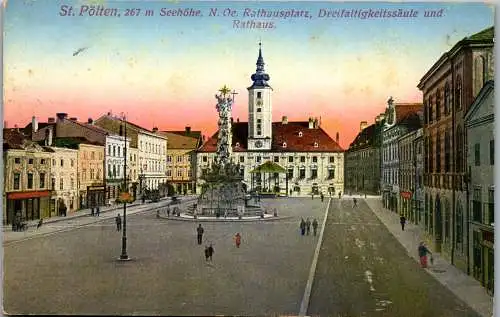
260, 77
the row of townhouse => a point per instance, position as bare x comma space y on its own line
57, 167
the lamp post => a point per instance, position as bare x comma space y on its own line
124, 255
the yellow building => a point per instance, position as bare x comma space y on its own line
63, 174
26, 178
181, 160
91, 175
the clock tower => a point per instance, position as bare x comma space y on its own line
259, 108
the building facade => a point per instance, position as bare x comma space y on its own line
449, 88
27, 189
90, 175
181, 162
63, 174
362, 160
480, 131
400, 118
418, 197
115, 166
408, 176
313, 161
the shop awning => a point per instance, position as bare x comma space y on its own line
26, 195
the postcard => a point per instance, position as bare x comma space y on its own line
248, 158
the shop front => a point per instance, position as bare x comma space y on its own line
483, 258
96, 196
27, 206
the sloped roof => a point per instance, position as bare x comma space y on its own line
486, 34
191, 134
403, 109
72, 142
282, 133
412, 120
13, 139
177, 141
133, 125
365, 138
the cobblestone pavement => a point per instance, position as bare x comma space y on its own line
76, 271
364, 271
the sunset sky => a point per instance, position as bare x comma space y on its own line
164, 71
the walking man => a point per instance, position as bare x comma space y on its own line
118, 221
402, 220
315, 226
308, 226
322, 197
200, 232
92, 211
237, 239
98, 211
209, 252
422, 253
302, 227
355, 202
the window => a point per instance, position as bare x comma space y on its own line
477, 154
314, 173
114, 171
62, 162
438, 105
242, 159
315, 159
259, 94
447, 156
98, 176
17, 160
331, 173
447, 99
42, 162
289, 173
179, 159
179, 172
302, 173
259, 121
429, 119
92, 155
259, 110
284, 145
61, 184
259, 131
316, 144
114, 150
91, 173
302, 159
331, 159
169, 173
30, 180
205, 159
458, 94
300, 134
438, 153
477, 214
30, 161
492, 152
459, 150
169, 158
72, 162
257, 159
290, 159
53, 183
119, 151
72, 182
276, 159
17, 181
42, 180
491, 206
190, 173
459, 229
53, 162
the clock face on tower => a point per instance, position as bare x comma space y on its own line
258, 144
259, 102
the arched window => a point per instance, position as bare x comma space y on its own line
438, 152
447, 151
425, 112
458, 94
447, 99
438, 104
479, 73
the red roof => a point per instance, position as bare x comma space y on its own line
282, 133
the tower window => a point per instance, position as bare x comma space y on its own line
259, 109
284, 144
315, 144
259, 94
300, 134
259, 120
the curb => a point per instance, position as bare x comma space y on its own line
175, 218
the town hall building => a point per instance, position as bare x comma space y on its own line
304, 159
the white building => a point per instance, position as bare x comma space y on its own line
115, 165
313, 161
63, 174
480, 127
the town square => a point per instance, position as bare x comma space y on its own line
338, 166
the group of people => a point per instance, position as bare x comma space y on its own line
209, 249
95, 211
305, 226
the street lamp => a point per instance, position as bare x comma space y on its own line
124, 255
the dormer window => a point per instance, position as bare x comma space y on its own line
315, 144
237, 144
300, 134
284, 144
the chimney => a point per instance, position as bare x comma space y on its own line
51, 120
284, 120
231, 119
74, 119
48, 136
155, 129
316, 123
61, 116
90, 121
188, 129
311, 123
34, 124
363, 125
337, 138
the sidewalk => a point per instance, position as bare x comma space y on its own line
462, 285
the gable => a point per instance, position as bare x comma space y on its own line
484, 104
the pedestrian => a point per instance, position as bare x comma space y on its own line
308, 226
340, 194
92, 211
402, 220
422, 253
312, 196
355, 202
200, 232
209, 252
40, 222
98, 210
302, 227
237, 239
118, 221
168, 211
315, 226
